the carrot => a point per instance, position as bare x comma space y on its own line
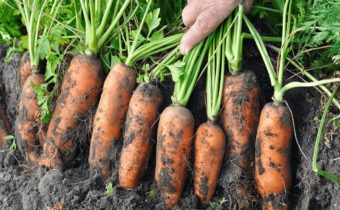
240, 115
117, 92
210, 141
273, 142
209, 151
79, 92
275, 131
25, 68
28, 122
4, 128
175, 131
141, 117
82, 82
110, 115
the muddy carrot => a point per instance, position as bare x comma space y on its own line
275, 131
118, 92
4, 128
210, 141
25, 68
79, 92
140, 124
110, 116
28, 123
175, 131
140, 120
82, 82
273, 142
240, 115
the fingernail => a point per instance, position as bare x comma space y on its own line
184, 50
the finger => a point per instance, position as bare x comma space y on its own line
205, 23
247, 4
190, 13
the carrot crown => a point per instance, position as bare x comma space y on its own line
234, 48
97, 30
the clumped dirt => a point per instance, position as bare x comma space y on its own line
23, 187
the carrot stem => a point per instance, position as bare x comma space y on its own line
315, 167
279, 95
135, 41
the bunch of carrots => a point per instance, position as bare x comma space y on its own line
130, 113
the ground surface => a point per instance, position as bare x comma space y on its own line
22, 187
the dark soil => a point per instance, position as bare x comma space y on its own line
22, 187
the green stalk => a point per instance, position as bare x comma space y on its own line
264, 54
315, 167
229, 51
267, 9
311, 77
279, 94
168, 60
135, 42
193, 60
264, 38
112, 26
93, 40
102, 25
236, 64
153, 48
215, 74
285, 43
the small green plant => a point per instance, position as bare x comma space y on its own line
150, 195
109, 189
44, 101
220, 202
13, 145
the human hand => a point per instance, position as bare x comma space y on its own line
202, 17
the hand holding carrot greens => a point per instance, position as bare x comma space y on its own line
202, 17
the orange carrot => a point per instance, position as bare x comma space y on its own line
25, 68
28, 122
4, 128
110, 115
140, 119
209, 151
174, 137
79, 92
273, 142
241, 101
210, 141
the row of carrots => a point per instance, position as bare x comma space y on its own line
234, 98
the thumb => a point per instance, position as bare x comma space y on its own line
205, 23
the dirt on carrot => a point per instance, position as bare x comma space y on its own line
174, 139
25, 68
28, 124
79, 92
240, 116
273, 144
4, 128
210, 147
139, 126
110, 116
